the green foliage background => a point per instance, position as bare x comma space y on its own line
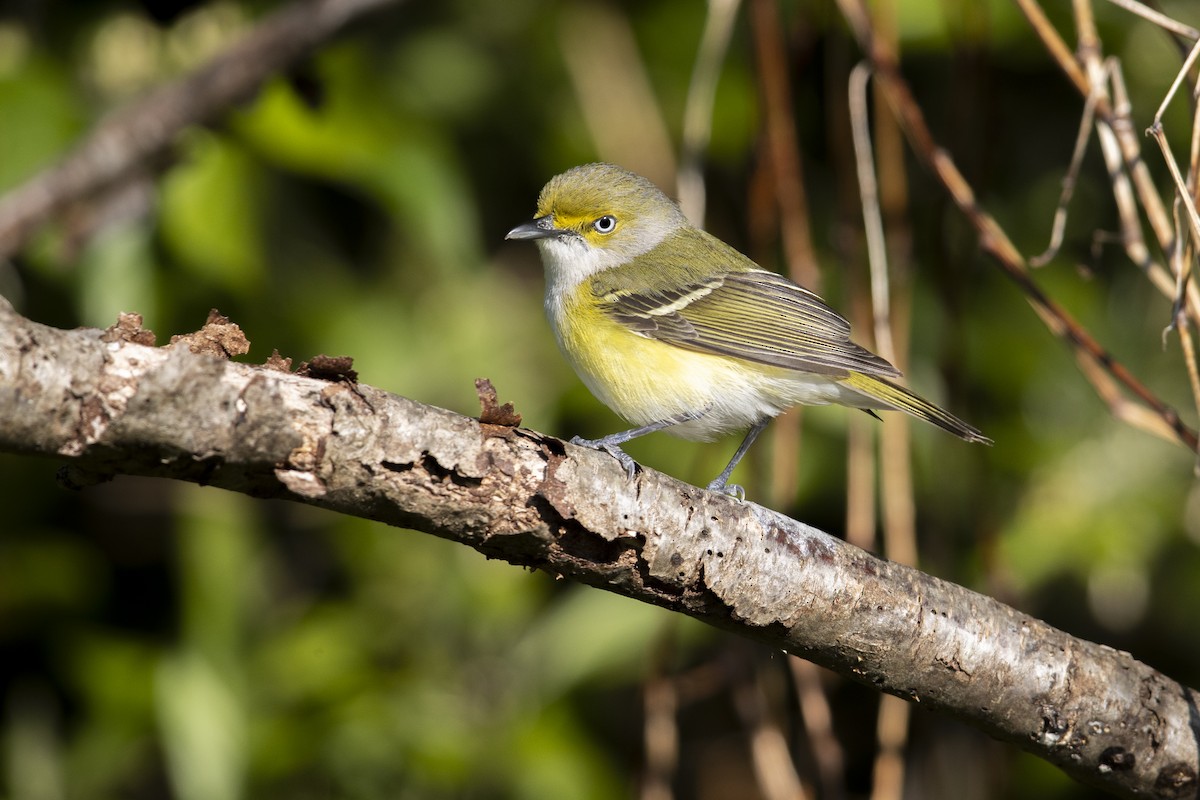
162, 640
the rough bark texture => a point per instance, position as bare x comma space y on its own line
110, 404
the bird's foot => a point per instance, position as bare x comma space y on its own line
733, 490
614, 450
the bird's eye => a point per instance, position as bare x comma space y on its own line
606, 224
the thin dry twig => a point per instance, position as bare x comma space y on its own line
1158, 18
1182, 259
1131, 187
1185, 191
1185, 196
780, 131
1059, 51
861, 461
1184, 329
1120, 123
872, 218
899, 511
899, 508
1184, 269
1120, 142
1069, 180
996, 243
1180, 76
1120, 145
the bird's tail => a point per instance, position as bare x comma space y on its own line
888, 395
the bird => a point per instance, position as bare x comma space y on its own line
677, 331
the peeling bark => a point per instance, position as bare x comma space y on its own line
110, 404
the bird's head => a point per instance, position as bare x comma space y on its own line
595, 217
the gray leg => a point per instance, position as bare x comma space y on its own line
718, 484
611, 444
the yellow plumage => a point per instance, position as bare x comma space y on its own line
645, 380
674, 330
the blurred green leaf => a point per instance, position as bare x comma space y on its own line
203, 725
117, 272
1102, 506
41, 116
211, 220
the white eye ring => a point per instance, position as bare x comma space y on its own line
606, 224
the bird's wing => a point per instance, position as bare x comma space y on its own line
755, 315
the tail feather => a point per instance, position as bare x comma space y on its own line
887, 395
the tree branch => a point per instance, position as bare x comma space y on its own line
114, 406
134, 137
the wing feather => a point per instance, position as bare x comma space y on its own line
755, 315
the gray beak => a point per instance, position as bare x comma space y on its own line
539, 228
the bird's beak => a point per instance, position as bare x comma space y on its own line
538, 228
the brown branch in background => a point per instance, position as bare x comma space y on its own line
1185, 268
127, 142
868, 189
782, 168
1059, 226
1182, 256
891, 738
887, 781
1120, 144
783, 152
862, 431
774, 771
898, 505
1095, 359
612, 87
1184, 193
660, 737
817, 717
1059, 51
1119, 123
1184, 329
782, 164
1158, 18
860, 481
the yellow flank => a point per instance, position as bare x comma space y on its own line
645, 380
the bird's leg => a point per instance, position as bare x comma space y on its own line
718, 484
611, 444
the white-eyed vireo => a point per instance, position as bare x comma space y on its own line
675, 330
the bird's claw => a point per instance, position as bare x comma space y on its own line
626, 460
733, 490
